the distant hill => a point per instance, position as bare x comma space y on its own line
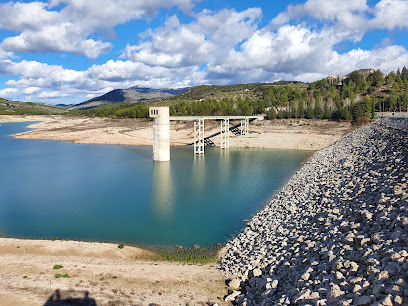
252, 90
363, 72
130, 95
28, 108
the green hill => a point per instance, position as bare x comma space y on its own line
28, 108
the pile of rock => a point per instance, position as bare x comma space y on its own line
395, 123
337, 233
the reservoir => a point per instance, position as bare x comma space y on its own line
116, 193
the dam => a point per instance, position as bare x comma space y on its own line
161, 130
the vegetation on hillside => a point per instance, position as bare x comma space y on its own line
28, 108
356, 96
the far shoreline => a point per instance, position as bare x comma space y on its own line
291, 134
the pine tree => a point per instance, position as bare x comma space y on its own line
404, 73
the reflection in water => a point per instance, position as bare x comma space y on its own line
198, 175
224, 167
163, 190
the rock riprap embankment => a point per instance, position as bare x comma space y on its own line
337, 233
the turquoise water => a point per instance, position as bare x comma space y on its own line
117, 194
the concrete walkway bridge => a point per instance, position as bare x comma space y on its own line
161, 130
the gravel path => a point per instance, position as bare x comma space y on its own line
337, 233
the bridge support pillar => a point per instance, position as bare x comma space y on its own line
199, 136
244, 126
161, 133
224, 135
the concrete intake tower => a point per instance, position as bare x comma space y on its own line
161, 133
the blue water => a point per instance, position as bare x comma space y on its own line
117, 194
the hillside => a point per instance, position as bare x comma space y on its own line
126, 96
252, 90
356, 95
28, 108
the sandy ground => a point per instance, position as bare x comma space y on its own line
112, 276
281, 134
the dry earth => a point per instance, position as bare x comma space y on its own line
281, 134
112, 276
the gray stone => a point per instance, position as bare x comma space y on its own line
363, 300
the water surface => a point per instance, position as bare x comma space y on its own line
118, 194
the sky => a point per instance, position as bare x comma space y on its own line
68, 51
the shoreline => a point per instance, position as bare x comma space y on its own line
293, 134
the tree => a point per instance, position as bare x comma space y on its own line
309, 112
318, 112
327, 114
404, 100
357, 78
376, 78
271, 114
404, 73
363, 108
390, 78
301, 109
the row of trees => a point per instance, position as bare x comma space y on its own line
139, 110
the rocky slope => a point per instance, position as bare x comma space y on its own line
337, 233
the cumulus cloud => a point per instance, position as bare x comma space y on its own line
390, 14
347, 13
207, 39
68, 30
350, 14
56, 38
8, 92
31, 90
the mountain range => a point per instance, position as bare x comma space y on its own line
130, 95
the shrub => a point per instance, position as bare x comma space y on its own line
362, 120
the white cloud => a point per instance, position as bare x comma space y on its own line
68, 30
51, 94
298, 53
293, 49
31, 90
390, 14
209, 38
56, 38
8, 92
346, 12
351, 14
17, 16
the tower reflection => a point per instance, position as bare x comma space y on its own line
163, 190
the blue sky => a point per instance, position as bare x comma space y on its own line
68, 51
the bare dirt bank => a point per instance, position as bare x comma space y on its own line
111, 275
281, 134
